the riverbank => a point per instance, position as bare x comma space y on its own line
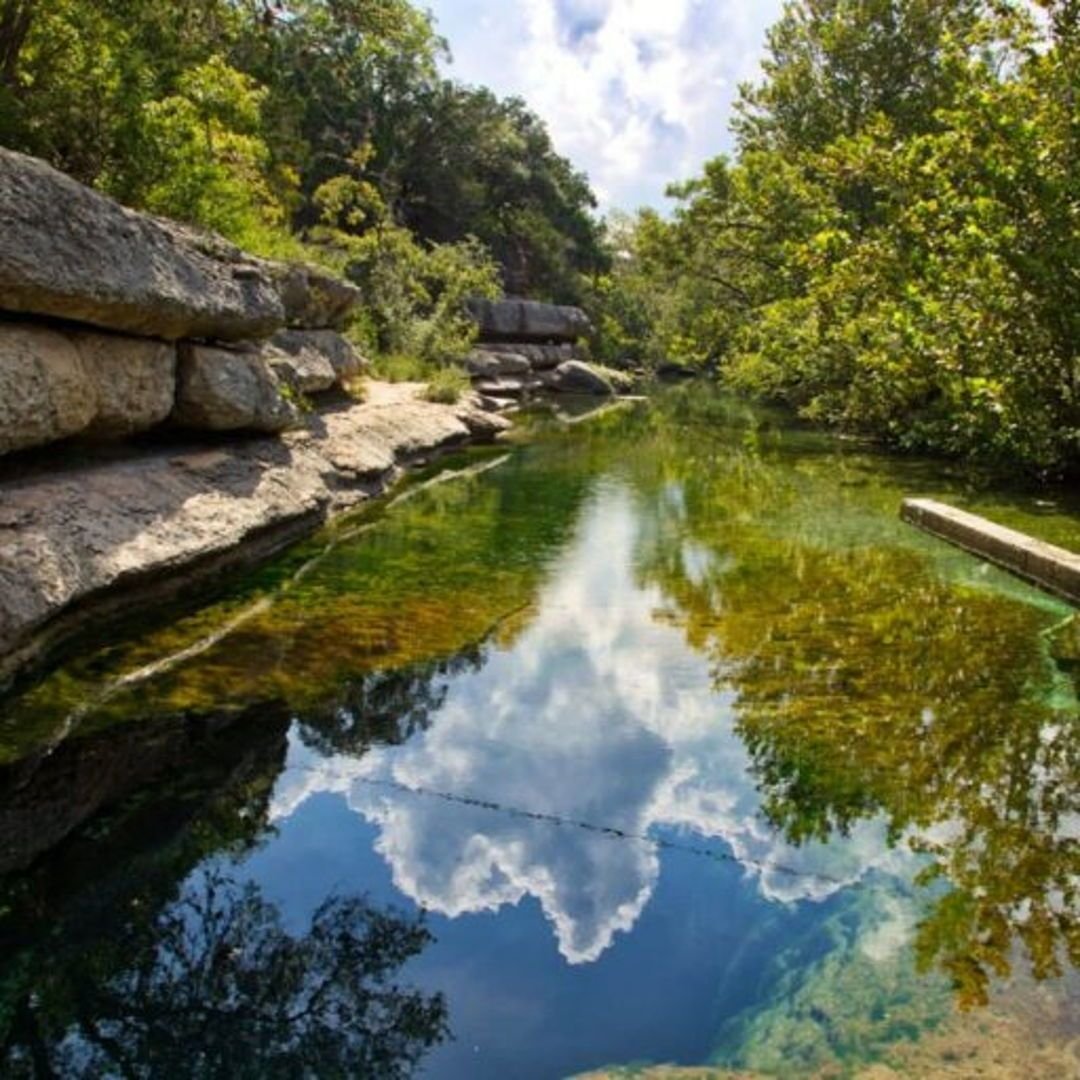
89, 541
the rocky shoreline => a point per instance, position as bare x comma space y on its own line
83, 544
173, 407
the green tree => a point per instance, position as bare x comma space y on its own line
211, 162
259, 119
833, 66
894, 249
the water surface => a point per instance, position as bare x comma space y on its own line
655, 739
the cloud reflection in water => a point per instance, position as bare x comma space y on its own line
598, 713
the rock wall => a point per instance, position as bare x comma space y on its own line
74, 254
113, 324
526, 347
104, 537
187, 329
514, 320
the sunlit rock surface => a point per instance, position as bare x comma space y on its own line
71, 253
76, 534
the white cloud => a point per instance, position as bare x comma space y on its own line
636, 92
598, 714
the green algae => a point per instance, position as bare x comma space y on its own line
843, 1002
877, 672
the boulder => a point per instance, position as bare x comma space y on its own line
56, 382
670, 370
577, 377
45, 391
484, 364
134, 381
312, 298
73, 253
316, 359
307, 372
490, 404
549, 357
342, 354
528, 320
303, 368
230, 390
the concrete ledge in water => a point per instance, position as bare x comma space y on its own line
1051, 568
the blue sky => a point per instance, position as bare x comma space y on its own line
636, 92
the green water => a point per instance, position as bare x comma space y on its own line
656, 738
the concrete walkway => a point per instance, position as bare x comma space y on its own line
1051, 568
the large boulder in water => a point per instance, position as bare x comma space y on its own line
73, 253
528, 320
577, 377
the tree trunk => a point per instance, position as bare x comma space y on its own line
16, 17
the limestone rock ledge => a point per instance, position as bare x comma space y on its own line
89, 542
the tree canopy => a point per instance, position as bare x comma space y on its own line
317, 128
895, 247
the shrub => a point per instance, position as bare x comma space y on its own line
446, 385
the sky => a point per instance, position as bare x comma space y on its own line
637, 93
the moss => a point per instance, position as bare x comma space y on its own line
844, 1010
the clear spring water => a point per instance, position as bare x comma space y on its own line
652, 740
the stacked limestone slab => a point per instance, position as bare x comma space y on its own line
114, 322
525, 346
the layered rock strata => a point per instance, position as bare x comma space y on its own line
114, 324
525, 347
513, 320
105, 537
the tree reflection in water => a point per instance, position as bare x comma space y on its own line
868, 684
215, 987
384, 707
